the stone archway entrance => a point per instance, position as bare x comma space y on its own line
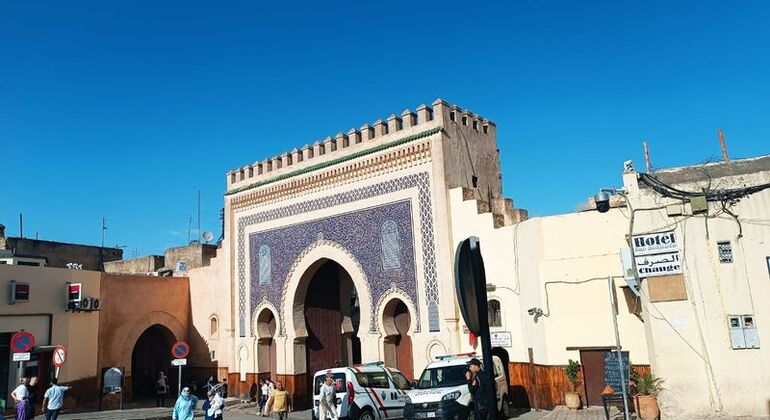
150, 355
266, 348
398, 343
332, 318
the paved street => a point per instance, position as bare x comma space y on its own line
237, 411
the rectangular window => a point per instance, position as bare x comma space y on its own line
725, 252
373, 379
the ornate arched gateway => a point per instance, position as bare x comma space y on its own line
340, 251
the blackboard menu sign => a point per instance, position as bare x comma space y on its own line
611, 372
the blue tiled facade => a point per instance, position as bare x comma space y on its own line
372, 260
358, 232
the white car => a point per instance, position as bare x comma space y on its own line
369, 391
442, 391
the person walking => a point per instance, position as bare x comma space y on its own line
327, 407
161, 389
280, 402
207, 405
21, 396
264, 392
54, 397
185, 406
224, 388
482, 389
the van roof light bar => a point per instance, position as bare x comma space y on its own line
377, 363
451, 356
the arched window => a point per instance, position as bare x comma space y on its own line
390, 241
494, 315
265, 265
214, 328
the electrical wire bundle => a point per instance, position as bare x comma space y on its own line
727, 195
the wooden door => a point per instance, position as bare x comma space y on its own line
593, 375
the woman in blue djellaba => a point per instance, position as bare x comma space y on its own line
185, 406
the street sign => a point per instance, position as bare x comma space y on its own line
471, 291
501, 339
21, 357
470, 281
180, 350
59, 356
22, 342
179, 362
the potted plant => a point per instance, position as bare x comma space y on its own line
648, 386
571, 371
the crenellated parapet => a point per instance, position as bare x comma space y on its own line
425, 120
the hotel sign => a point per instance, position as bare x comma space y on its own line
656, 254
655, 243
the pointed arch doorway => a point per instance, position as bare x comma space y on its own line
332, 318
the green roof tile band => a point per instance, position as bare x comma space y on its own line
351, 156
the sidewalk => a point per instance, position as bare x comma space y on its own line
592, 413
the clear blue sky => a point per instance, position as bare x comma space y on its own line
125, 109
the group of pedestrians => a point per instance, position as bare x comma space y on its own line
184, 408
274, 398
24, 396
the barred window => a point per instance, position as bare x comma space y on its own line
494, 315
725, 252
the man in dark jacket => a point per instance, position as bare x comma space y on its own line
482, 389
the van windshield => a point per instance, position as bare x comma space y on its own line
339, 382
444, 376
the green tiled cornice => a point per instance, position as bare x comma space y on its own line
341, 159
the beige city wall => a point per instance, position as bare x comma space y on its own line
210, 294
688, 340
77, 331
523, 260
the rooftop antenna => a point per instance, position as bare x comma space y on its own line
647, 160
21, 226
189, 226
723, 144
208, 236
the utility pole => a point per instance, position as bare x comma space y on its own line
199, 216
104, 229
623, 383
723, 143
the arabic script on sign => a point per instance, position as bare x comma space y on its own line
658, 265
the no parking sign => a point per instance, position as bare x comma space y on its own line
59, 356
180, 350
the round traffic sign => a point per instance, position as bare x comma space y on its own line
22, 342
59, 356
180, 350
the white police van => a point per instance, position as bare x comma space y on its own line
369, 391
442, 391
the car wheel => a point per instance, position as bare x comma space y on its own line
505, 408
366, 415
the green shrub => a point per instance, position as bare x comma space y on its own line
649, 384
571, 371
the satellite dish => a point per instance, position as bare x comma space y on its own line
208, 236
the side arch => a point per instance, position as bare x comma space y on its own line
382, 323
164, 319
